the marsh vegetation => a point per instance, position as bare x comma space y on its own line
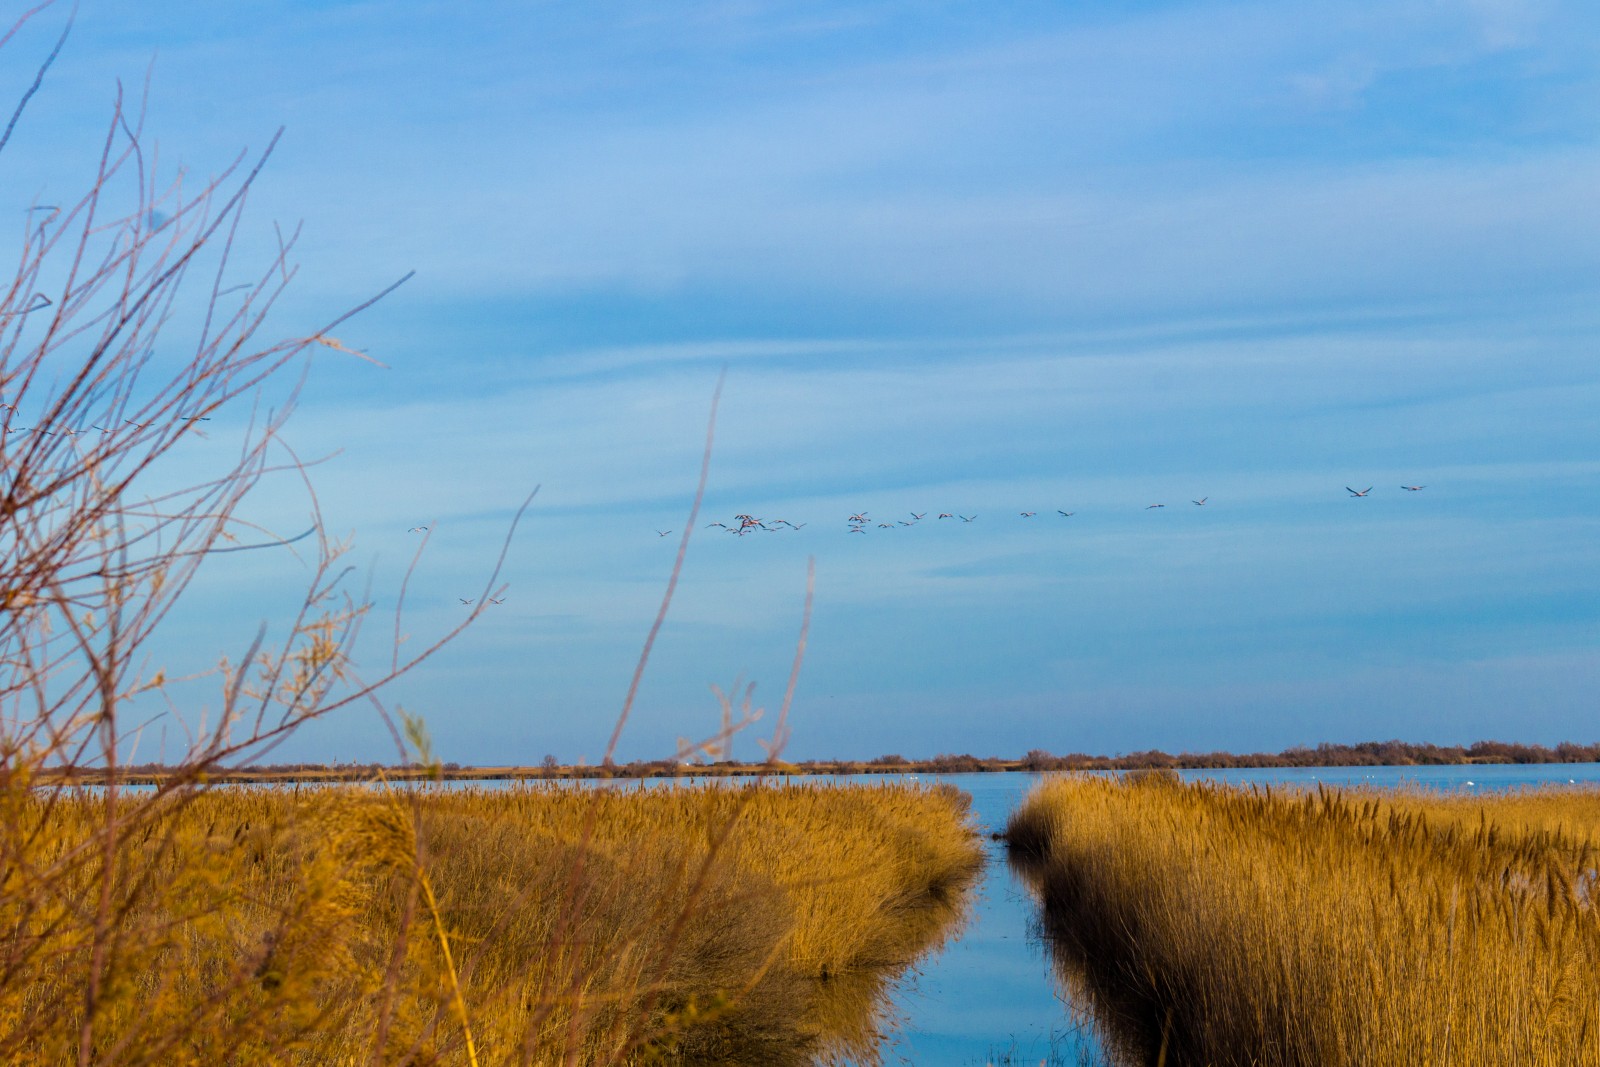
549, 924
1207, 924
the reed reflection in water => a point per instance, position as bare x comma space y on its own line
852, 1013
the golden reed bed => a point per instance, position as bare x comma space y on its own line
544, 924
1211, 925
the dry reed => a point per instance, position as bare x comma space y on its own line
686, 924
1213, 925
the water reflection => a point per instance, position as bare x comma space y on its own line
989, 997
844, 1018
852, 1013
1116, 1027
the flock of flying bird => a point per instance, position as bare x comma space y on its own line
73, 431
859, 522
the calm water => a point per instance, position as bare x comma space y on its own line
990, 997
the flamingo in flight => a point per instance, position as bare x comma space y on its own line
1028, 514
1201, 502
663, 533
418, 529
1065, 514
1155, 506
946, 515
1363, 492
966, 518
1413, 488
859, 517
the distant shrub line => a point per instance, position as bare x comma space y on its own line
1364, 754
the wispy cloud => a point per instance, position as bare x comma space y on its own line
1087, 258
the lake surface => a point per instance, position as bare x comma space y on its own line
990, 997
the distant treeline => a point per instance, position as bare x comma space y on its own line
1365, 754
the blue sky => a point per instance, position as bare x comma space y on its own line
1085, 257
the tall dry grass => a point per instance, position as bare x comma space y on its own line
1213, 925
546, 924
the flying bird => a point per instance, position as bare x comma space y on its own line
1028, 514
917, 517
1413, 488
946, 515
1154, 506
418, 529
860, 517
1201, 502
663, 533
464, 601
493, 600
1363, 492
966, 518
1065, 514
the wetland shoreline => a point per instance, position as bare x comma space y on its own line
1364, 754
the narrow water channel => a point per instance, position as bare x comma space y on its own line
990, 996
